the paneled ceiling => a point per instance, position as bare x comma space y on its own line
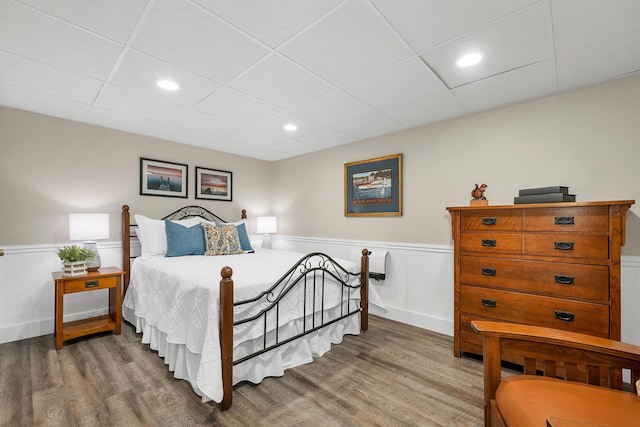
341, 70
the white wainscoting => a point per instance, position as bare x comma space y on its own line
418, 289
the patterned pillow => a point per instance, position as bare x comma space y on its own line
221, 240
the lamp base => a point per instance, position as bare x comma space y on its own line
94, 263
266, 242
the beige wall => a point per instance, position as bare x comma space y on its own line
588, 139
51, 167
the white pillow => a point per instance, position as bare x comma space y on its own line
153, 235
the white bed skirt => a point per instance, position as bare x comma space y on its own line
186, 365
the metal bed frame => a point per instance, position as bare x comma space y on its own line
307, 277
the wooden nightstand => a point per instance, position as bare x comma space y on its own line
105, 278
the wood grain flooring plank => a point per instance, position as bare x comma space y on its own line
16, 405
391, 375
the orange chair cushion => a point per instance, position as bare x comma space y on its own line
527, 400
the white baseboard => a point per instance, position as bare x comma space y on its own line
420, 320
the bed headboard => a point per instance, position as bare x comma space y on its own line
182, 213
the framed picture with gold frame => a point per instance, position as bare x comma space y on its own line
373, 187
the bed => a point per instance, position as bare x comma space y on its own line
240, 316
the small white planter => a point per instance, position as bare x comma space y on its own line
76, 268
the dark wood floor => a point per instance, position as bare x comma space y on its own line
391, 375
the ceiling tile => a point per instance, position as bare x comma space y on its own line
373, 125
179, 33
326, 137
206, 123
427, 23
20, 71
114, 19
275, 125
28, 100
341, 69
579, 23
349, 43
273, 21
231, 146
280, 82
122, 121
55, 42
267, 154
396, 84
516, 41
606, 60
174, 133
334, 108
423, 111
126, 101
292, 147
255, 137
524, 83
233, 105
140, 72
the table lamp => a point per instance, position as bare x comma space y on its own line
267, 225
89, 227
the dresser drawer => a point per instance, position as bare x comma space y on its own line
575, 316
579, 281
81, 285
567, 219
489, 220
567, 245
502, 243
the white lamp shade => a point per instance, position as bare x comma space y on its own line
267, 225
92, 226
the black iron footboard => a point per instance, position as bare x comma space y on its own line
309, 277
312, 278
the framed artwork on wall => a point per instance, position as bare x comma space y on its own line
212, 184
373, 187
160, 178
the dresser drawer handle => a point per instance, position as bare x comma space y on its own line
488, 271
563, 246
488, 242
489, 221
491, 303
563, 279
566, 316
564, 220
92, 284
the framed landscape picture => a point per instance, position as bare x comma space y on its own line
160, 178
212, 184
373, 187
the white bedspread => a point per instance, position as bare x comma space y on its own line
174, 303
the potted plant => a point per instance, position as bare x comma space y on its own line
74, 260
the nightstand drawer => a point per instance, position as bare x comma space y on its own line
567, 245
576, 281
89, 284
573, 220
491, 221
502, 243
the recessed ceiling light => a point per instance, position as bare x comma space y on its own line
290, 127
469, 60
167, 84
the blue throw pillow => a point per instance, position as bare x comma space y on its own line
245, 243
183, 240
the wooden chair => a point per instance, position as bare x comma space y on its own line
569, 379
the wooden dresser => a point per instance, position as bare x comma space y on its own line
553, 264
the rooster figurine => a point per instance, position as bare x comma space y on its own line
478, 192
